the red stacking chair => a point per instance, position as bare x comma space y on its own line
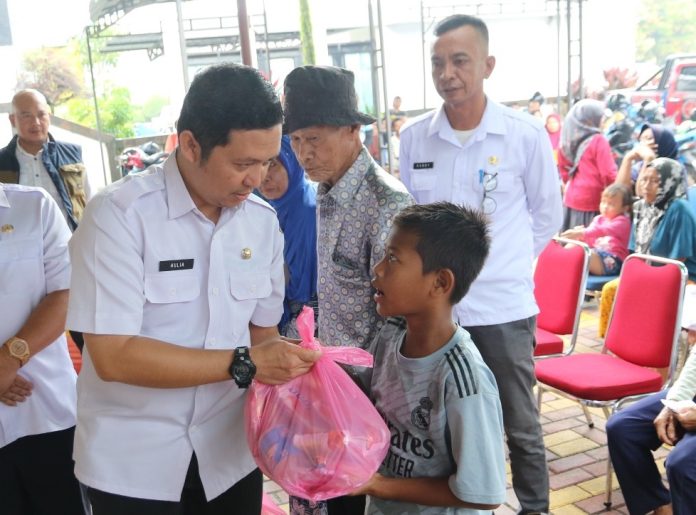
642, 336
559, 288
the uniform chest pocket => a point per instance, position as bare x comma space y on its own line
171, 287
422, 180
250, 286
21, 264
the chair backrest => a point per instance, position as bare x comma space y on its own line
559, 285
644, 324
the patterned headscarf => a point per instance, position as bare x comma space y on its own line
581, 124
646, 217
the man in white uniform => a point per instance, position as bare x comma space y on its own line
178, 287
474, 152
37, 378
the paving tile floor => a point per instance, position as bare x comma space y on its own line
577, 454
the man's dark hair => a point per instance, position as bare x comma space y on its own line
227, 97
449, 236
460, 20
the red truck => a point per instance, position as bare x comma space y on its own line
673, 87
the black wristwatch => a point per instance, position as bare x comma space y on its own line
242, 368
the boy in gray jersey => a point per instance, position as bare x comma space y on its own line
429, 382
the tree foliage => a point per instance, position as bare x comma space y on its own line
54, 72
666, 27
306, 37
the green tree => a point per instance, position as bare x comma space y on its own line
55, 72
306, 38
666, 27
115, 110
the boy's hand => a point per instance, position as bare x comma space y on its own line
369, 486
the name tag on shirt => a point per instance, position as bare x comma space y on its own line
422, 166
175, 264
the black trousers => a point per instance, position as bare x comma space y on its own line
242, 498
37, 476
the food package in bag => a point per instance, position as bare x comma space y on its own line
318, 436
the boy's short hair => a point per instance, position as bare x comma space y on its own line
619, 190
451, 237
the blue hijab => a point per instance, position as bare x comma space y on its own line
666, 144
298, 220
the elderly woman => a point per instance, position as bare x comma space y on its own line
663, 223
585, 163
294, 199
653, 141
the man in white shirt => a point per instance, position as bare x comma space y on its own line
34, 158
37, 378
178, 286
474, 152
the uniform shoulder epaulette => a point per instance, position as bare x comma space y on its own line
258, 201
132, 187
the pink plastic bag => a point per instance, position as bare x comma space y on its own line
268, 507
317, 436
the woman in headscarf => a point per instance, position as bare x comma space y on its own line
663, 223
653, 141
553, 129
294, 199
585, 163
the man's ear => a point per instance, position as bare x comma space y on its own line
444, 282
490, 65
13, 120
189, 147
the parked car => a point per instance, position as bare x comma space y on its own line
673, 86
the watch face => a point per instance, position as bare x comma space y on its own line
242, 372
19, 347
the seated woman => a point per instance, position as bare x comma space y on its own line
663, 224
653, 141
609, 232
294, 199
585, 163
644, 426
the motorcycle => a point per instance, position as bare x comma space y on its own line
624, 123
136, 159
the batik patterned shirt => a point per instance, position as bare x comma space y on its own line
353, 221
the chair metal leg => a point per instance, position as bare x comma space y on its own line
607, 502
588, 417
540, 392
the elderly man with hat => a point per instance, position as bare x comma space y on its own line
356, 202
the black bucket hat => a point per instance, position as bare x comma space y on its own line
321, 95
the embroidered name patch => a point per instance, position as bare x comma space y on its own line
175, 264
421, 166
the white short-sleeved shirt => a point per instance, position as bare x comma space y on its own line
514, 149
34, 262
147, 262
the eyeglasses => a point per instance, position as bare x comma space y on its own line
490, 183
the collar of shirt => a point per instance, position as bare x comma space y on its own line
178, 197
492, 122
24, 155
345, 189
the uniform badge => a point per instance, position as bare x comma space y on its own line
7, 228
246, 253
493, 160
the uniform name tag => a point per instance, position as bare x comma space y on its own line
421, 166
176, 264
